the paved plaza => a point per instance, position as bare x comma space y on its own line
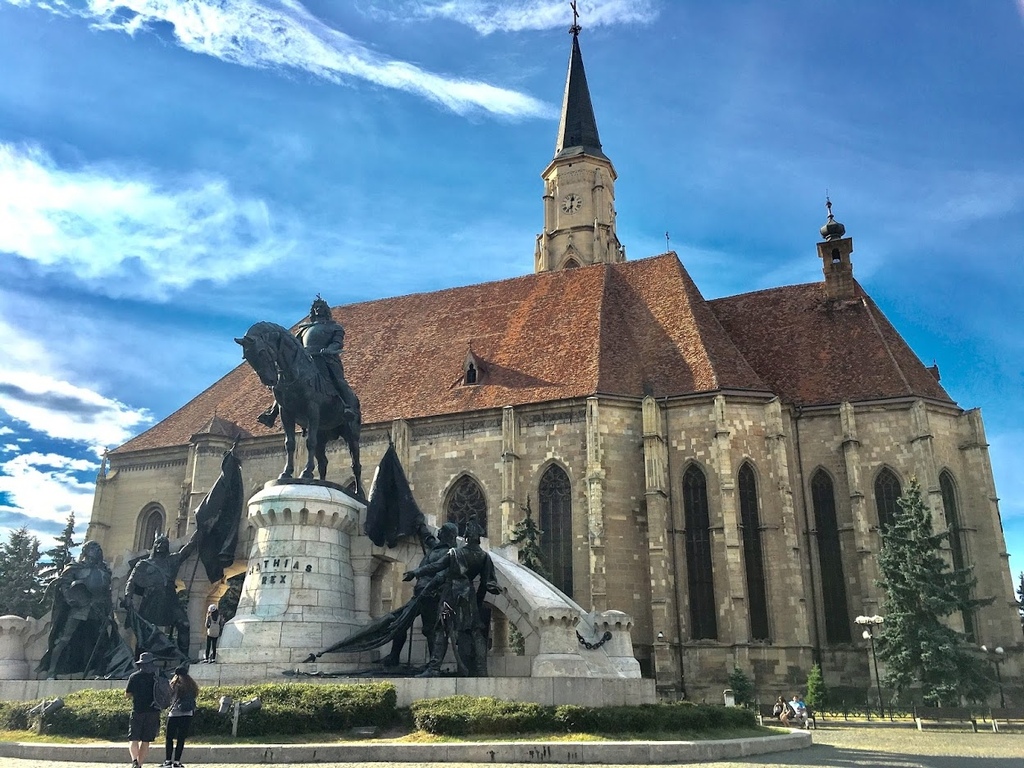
843, 747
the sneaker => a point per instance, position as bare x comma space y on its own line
178, 765
135, 763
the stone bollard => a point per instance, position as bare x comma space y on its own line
14, 632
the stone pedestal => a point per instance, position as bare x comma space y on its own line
14, 632
299, 591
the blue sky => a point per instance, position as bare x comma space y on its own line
172, 170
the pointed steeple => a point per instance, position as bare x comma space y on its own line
577, 130
579, 183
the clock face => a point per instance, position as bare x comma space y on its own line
572, 203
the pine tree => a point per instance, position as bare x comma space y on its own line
20, 586
742, 687
817, 693
527, 534
918, 647
1020, 600
59, 556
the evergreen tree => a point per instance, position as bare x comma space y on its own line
918, 647
817, 693
60, 555
20, 586
526, 534
742, 687
1020, 600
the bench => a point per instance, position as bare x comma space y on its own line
1005, 715
944, 715
764, 712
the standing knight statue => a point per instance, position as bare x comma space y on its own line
154, 578
83, 634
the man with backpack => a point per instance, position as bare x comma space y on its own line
150, 692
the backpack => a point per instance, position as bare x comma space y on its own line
161, 691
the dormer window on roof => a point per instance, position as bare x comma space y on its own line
472, 369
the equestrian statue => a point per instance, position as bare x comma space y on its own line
304, 371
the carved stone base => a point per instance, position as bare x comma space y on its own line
299, 590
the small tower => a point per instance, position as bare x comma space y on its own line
579, 183
834, 251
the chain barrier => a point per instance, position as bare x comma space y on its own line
593, 646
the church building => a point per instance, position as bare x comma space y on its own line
720, 470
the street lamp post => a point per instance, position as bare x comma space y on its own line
997, 659
869, 634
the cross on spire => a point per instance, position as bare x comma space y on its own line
574, 30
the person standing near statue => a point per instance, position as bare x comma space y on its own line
144, 724
461, 613
154, 579
323, 338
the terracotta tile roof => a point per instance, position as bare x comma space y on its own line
630, 329
811, 351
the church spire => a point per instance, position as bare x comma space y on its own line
579, 183
577, 130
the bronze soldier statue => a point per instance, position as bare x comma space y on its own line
462, 616
427, 591
83, 633
323, 338
154, 579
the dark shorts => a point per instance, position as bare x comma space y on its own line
144, 726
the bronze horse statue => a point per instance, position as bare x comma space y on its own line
305, 397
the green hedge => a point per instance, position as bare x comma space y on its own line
467, 715
287, 709
292, 708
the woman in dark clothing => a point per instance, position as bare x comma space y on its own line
184, 691
213, 628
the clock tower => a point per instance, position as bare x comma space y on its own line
579, 185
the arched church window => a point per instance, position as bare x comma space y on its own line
887, 493
466, 500
571, 264
753, 555
556, 525
151, 525
957, 545
699, 577
470, 374
830, 559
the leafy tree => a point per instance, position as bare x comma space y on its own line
919, 648
20, 586
742, 687
817, 693
526, 533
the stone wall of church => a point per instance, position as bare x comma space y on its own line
630, 555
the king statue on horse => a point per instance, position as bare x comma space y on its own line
308, 380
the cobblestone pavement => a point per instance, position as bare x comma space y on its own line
833, 748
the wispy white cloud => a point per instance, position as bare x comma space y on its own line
32, 394
45, 487
283, 33
102, 223
488, 16
6, 431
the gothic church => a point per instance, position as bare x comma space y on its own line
719, 470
